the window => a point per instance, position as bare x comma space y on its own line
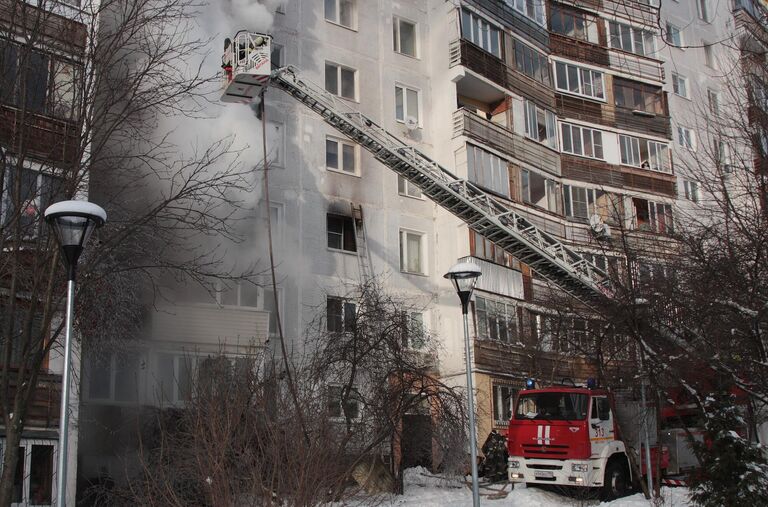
571, 24
496, 320
340, 155
175, 376
685, 138
582, 141
479, 31
343, 405
276, 56
34, 474
580, 202
531, 63
114, 376
406, 105
723, 154
633, 40
49, 83
483, 248
533, 9
713, 99
341, 233
411, 252
638, 96
540, 124
579, 81
341, 81
341, 12
674, 35
709, 55
413, 330
652, 216
644, 153
276, 144
405, 187
404, 36
538, 190
691, 190
502, 404
37, 190
680, 85
487, 170
340, 315
704, 12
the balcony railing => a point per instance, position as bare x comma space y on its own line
43, 411
636, 65
207, 323
597, 172
69, 35
612, 116
634, 10
502, 139
579, 50
45, 137
502, 11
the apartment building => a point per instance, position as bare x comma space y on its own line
570, 110
42, 50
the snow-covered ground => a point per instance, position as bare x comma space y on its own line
423, 489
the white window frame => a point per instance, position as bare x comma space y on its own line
654, 149
345, 304
497, 393
713, 101
645, 35
508, 316
583, 75
678, 81
674, 35
585, 133
339, 88
397, 42
408, 189
704, 10
111, 399
551, 192
691, 190
532, 114
473, 33
411, 320
337, 20
590, 197
340, 144
27, 444
710, 60
535, 10
404, 89
492, 171
403, 237
686, 138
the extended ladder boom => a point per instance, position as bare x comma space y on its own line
487, 215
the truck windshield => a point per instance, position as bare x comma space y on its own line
552, 406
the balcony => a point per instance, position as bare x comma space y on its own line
498, 279
43, 411
208, 324
43, 136
612, 116
68, 35
579, 50
597, 172
511, 359
633, 10
500, 138
465, 53
503, 12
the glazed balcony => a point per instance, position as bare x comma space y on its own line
599, 173
509, 17
496, 136
209, 323
612, 116
479, 61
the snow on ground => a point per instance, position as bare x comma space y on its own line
424, 489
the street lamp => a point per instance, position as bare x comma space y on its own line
464, 276
72, 223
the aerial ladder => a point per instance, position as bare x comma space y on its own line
248, 71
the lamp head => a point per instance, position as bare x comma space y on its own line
73, 223
464, 277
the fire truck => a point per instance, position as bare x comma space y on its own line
583, 436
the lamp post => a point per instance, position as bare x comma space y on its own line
72, 223
464, 276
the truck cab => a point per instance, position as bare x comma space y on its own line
567, 436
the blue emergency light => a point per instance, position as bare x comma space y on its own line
591, 383
530, 384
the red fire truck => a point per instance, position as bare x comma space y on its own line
569, 436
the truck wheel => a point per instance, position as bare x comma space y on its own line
615, 481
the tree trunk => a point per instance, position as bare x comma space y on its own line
10, 461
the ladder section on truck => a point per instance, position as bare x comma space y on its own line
483, 213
